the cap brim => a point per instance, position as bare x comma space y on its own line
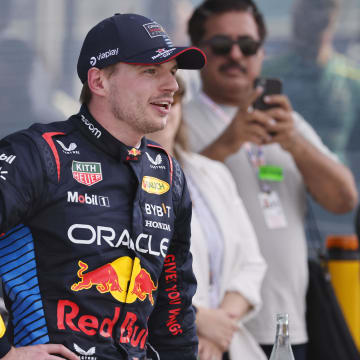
191, 58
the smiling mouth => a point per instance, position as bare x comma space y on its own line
164, 104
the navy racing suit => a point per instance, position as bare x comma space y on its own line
94, 246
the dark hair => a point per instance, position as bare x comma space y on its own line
196, 24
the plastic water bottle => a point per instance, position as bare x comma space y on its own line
282, 347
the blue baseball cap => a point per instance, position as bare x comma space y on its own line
133, 39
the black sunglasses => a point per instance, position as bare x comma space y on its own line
222, 44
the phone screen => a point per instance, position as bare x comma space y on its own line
271, 86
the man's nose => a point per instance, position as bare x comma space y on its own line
170, 84
235, 52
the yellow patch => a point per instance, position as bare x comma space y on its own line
154, 185
2, 327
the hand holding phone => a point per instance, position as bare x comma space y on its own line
271, 86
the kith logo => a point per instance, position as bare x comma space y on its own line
85, 355
70, 149
88, 199
9, 159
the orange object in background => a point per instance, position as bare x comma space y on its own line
344, 268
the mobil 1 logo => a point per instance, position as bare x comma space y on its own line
96, 200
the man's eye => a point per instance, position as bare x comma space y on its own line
150, 71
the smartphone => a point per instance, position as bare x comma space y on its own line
271, 86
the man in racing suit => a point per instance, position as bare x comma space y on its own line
95, 219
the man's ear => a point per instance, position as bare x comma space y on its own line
96, 80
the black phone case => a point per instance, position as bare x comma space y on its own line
271, 87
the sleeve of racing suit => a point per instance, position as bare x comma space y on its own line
21, 183
172, 331
21, 180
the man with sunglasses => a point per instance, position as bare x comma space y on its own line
274, 156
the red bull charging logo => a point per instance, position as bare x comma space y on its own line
114, 278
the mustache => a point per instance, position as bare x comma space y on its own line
231, 65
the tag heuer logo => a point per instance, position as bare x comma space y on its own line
87, 173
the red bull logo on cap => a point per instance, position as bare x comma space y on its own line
114, 278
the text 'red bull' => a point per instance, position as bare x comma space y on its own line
130, 333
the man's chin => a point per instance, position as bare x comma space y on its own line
157, 125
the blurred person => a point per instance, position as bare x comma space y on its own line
24, 89
274, 156
322, 84
95, 238
227, 263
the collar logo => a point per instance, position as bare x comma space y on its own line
155, 164
70, 149
154, 185
95, 131
86, 173
157, 161
133, 154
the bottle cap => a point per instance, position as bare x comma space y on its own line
343, 242
282, 318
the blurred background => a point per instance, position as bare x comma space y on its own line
41, 40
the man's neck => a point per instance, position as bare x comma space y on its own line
117, 128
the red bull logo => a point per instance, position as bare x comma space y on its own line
105, 279
133, 154
114, 278
144, 286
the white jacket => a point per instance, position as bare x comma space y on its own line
243, 266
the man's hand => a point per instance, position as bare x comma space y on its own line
40, 352
280, 123
208, 350
216, 325
248, 125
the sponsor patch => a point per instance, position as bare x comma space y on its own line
86, 354
157, 210
75, 197
103, 55
133, 154
7, 158
95, 131
124, 279
154, 185
71, 149
2, 174
157, 225
84, 234
154, 29
163, 53
155, 164
87, 173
